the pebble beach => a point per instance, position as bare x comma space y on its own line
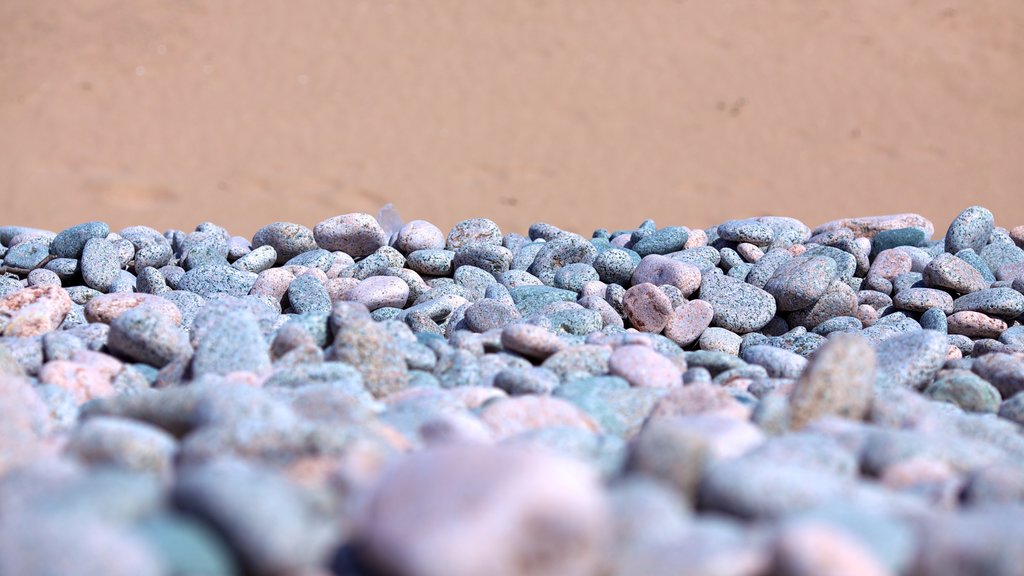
384, 398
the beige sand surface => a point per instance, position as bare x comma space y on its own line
581, 113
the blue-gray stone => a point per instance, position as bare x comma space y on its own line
210, 280
28, 254
669, 239
69, 243
100, 264
970, 230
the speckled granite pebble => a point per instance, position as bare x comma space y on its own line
738, 306
357, 235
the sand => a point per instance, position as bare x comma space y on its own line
576, 113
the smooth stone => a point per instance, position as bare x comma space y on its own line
144, 334
228, 342
356, 234
689, 321
800, 282
647, 308
869, 226
966, 390
975, 325
100, 264
923, 299
539, 514
660, 270
778, 362
642, 367
473, 231
664, 241
952, 273
419, 235
286, 238
1004, 302
209, 280
1003, 371
750, 231
970, 230
911, 359
739, 307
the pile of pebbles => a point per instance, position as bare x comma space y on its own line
757, 398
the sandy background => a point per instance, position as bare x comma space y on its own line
581, 113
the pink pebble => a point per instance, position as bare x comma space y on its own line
689, 321
696, 239
642, 367
380, 292
105, 308
35, 310
891, 263
419, 235
82, 381
659, 270
647, 307
273, 282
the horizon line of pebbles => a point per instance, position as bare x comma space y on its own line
377, 398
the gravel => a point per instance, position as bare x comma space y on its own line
372, 398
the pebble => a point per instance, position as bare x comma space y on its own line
647, 308
923, 299
778, 362
838, 381
689, 321
419, 235
738, 306
228, 342
952, 273
1003, 302
1003, 371
473, 231
642, 367
307, 294
720, 340
871, 225
209, 280
105, 308
970, 230
975, 325
28, 254
750, 231
966, 390
33, 311
800, 282
379, 292
664, 241
70, 242
540, 515
911, 359
357, 235
660, 270
145, 334
287, 239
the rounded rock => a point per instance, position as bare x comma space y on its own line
642, 367
647, 307
739, 307
356, 234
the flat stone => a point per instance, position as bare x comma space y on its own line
209, 280
106, 308
948, 271
34, 310
975, 325
1004, 302
871, 225
923, 299
356, 234
750, 231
